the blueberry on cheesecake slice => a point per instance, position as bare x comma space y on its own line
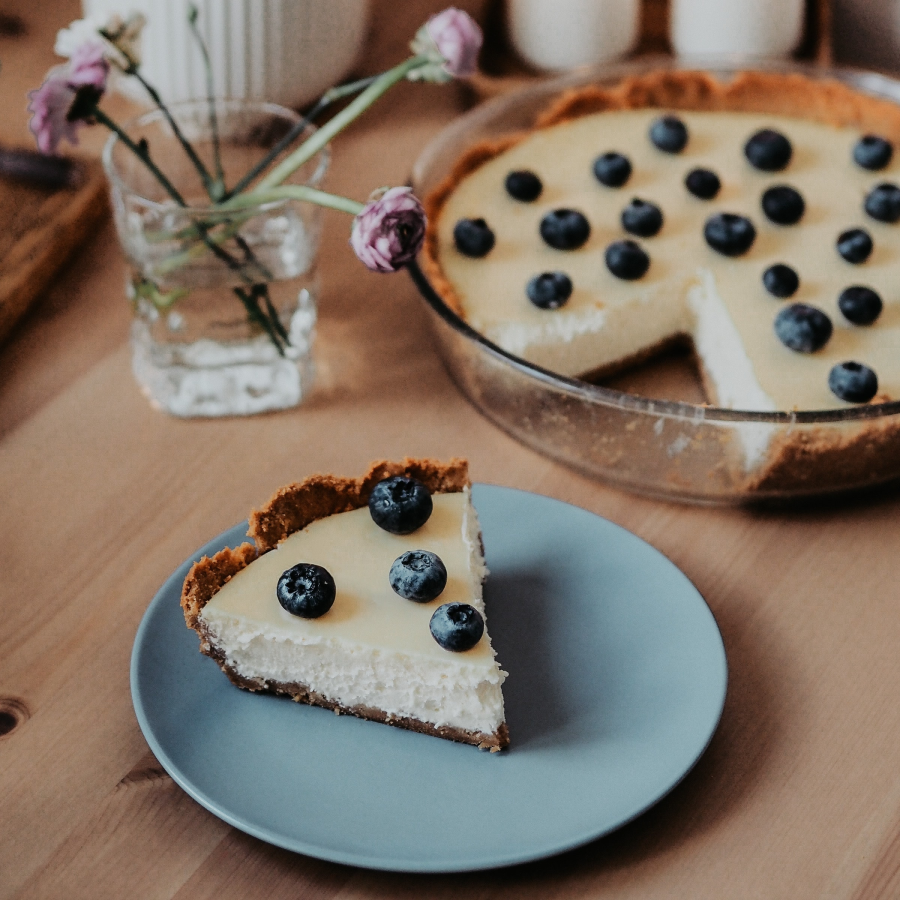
334, 604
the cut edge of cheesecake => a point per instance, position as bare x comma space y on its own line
291, 509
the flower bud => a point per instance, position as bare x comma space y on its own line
389, 231
88, 67
451, 39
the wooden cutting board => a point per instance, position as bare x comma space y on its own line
40, 231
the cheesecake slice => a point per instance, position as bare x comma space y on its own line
372, 653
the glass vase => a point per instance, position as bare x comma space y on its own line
224, 301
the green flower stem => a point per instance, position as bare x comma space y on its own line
255, 314
329, 97
254, 199
250, 257
293, 192
205, 177
141, 153
219, 186
317, 141
206, 241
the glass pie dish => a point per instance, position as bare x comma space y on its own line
669, 448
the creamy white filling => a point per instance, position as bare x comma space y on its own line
728, 367
573, 343
461, 696
578, 342
719, 345
492, 290
461, 690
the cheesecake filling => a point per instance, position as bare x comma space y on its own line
725, 309
373, 648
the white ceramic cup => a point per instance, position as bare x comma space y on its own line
283, 51
555, 35
763, 28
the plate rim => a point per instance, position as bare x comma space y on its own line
382, 863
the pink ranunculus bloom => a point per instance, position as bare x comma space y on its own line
458, 38
68, 95
89, 67
50, 105
389, 231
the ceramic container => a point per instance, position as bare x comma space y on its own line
281, 51
750, 28
555, 35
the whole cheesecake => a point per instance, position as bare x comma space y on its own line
754, 218
370, 651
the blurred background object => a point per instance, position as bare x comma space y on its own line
526, 38
282, 51
555, 35
758, 28
867, 33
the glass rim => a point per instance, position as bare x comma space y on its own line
867, 82
155, 115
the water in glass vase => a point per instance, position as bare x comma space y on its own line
196, 351
224, 300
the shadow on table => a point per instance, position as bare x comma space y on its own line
520, 604
751, 732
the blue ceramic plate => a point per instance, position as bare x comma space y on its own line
617, 681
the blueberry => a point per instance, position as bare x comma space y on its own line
872, 152
418, 575
781, 281
565, 229
457, 626
731, 235
627, 260
612, 169
860, 305
703, 183
853, 382
642, 218
669, 134
473, 237
306, 590
523, 185
400, 505
883, 203
768, 150
549, 290
803, 328
783, 205
855, 245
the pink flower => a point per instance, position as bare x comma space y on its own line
50, 105
67, 97
389, 231
457, 38
88, 66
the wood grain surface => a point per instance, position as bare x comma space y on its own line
41, 230
798, 796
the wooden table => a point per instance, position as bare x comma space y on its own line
798, 795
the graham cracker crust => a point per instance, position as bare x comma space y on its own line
290, 509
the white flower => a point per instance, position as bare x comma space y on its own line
120, 38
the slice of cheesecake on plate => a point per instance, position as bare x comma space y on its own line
363, 596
